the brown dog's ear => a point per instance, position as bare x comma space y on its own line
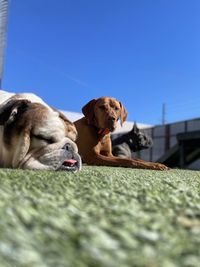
88, 111
10, 110
123, 114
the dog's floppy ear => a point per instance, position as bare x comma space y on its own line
88, 111
123, 114
10, 110
21, 149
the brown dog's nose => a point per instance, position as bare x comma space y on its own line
111, 118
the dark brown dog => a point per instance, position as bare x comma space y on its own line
94, 143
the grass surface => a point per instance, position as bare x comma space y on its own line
100, 217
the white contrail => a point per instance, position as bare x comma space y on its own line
3, 24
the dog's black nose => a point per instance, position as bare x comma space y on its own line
111, 118
68, 147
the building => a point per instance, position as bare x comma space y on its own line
175, 144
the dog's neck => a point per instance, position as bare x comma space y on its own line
100, 132
103, 132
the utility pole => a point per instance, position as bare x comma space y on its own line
3, 26
163, 114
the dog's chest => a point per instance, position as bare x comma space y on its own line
105, 144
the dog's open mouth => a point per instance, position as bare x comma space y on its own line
72, 164
69, 165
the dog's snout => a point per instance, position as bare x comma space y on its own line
111, 118
68, 147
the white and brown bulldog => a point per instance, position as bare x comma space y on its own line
35, 136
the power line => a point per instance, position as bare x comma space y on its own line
163, 114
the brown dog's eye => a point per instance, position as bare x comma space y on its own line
102, 107
116, 108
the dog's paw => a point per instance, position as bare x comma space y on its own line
160, 167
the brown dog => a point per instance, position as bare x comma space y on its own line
94, 143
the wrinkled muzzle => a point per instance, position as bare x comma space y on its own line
71, 160
59, 156
111, 122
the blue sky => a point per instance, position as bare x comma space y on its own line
142, 52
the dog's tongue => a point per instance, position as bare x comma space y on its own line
70, 162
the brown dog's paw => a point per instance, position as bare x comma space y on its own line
160, 166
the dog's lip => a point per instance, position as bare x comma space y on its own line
70, 162
112, 128
69, 165
73, 163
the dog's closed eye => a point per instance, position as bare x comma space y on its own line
44, 138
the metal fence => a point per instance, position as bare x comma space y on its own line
164, 137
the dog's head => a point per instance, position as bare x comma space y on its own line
35, 136
104, 113
137, 139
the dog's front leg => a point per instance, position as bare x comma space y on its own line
101, 160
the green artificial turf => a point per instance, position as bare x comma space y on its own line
100, 217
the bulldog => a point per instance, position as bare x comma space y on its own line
35, 136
